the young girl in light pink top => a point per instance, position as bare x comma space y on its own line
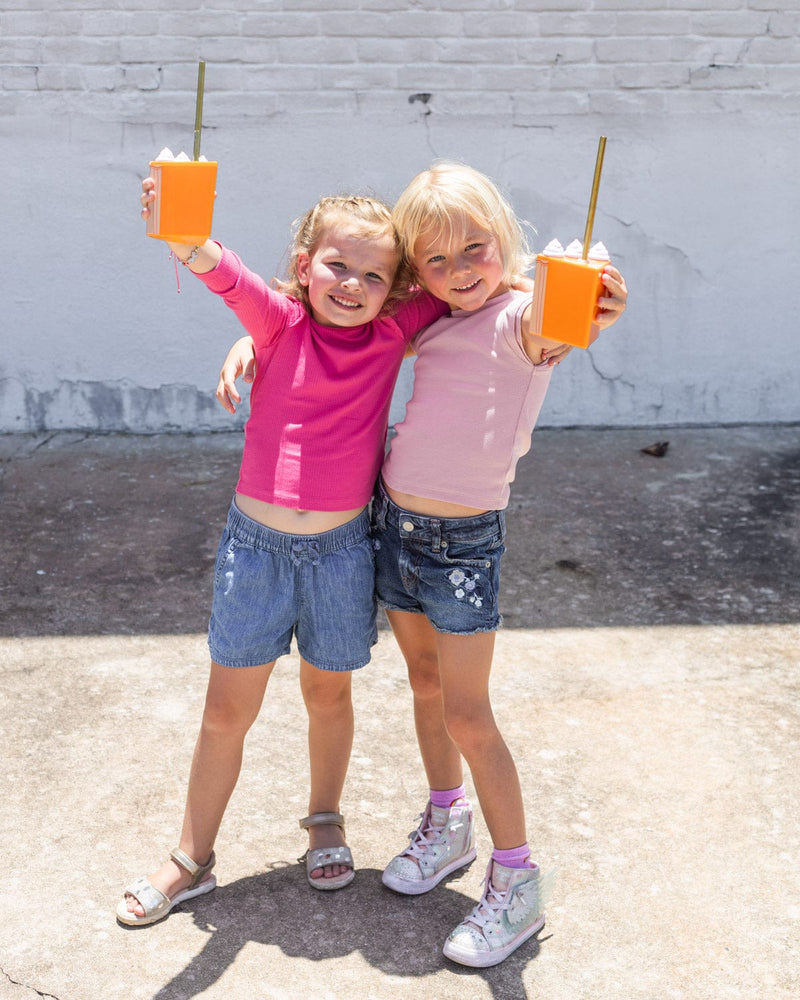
438, 531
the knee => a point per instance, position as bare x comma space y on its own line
473, 732
327, 694
423, 676
227, 717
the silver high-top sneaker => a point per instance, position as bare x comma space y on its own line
443, 842
508, 914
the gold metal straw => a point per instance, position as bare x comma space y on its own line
587, 236
198, 114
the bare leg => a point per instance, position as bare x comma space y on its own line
417, 640
465, 663
327, 696
233, 701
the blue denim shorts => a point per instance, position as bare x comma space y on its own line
447, 568
269, 586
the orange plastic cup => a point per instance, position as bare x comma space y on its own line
184, 204
565, 294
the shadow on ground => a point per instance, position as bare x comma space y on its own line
396, 935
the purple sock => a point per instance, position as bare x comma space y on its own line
444, 799
517, 857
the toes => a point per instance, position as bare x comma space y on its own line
134, 906
329, 871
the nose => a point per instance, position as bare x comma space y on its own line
351, 281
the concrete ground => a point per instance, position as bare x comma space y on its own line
646, 680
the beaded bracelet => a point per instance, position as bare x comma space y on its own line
195, 251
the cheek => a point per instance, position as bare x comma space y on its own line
427, 276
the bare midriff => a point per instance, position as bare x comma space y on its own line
291, 521
431, 508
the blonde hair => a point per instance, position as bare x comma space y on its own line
364, 216
440, 200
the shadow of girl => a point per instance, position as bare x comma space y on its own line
399, 935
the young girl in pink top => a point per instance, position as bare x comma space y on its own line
438, 530
295, 557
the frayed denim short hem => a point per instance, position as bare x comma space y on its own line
443, 631
270, 586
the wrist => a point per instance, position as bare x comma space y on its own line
191, 256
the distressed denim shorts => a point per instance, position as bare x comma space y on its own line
269, 586
447, 568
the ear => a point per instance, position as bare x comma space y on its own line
303, 267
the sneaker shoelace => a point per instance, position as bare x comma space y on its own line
491, 905
421, 841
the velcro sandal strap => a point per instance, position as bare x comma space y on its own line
196, 871
322, 819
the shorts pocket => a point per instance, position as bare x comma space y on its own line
225, 551
479, 554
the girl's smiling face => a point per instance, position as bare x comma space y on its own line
348, 276
464, 266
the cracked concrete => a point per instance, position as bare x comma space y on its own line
8, 985
646, 681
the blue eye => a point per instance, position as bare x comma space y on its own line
436, 259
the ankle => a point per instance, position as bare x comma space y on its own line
444, 799
516, 857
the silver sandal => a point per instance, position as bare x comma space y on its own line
154, 902
319, 857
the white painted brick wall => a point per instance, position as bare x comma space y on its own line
307, 55
699, 203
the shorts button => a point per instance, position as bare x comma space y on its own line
407, 525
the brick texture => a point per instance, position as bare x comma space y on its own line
306, 56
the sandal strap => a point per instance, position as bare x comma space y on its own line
322, 856
152, 900
322, 819
196, 871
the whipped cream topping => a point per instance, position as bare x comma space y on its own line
167, 154
599, 252
553, 249
574, 250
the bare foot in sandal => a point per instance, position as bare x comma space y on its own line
329, 863
148, 900
327, 835
169, 879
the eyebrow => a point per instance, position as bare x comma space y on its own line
335, 253
442, 243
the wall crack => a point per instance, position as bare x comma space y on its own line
617, 379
